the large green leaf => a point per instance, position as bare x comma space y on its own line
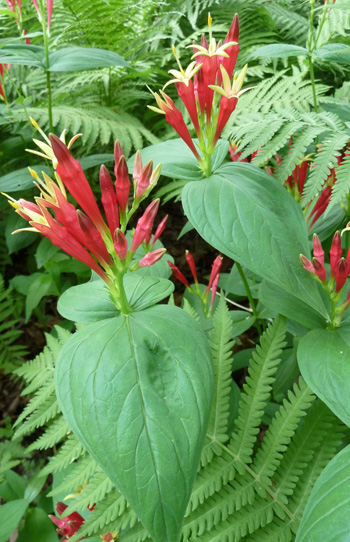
335, 52
279, 50
23, 55
20, 179
136, 390
37, 527
282, 302
10, 515
178, 161
324, 361
247, 215
71, 59
92, 302
327, 513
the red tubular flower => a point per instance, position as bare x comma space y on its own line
144, 225
319, 269
93, 238
178, 275
187, 95
37, 9
318, 250
71, 174
122, 183
229, 62
118, 153
137, 167
152, 257
227, 107
214, 289
120, 244
341, 273
192, 265
214, 271
302, 172
49, 5
69, 525
321, 204
174, 117
307, 264
109, 200
144, 180
335, 252
109, 537
160, 229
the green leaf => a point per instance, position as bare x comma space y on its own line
71, 59
13, 487
327, 512
279, 50
23, 55
10, 515
282, 302
323, 357
241, 320
91, 302
93, 160
178, 161
37, 527
20, 240
136, 390
20, 180
335, 52
342, 110
251, 218
41, 286
35, 485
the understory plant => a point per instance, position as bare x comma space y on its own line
164, 425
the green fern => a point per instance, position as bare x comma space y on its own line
342, 186
11, 354
95, 123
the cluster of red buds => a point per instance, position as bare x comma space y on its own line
295, 183
206, 91
212, 285
339, 272
84, 233
71, 524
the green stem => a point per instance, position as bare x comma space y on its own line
123, 300
47, 61
310, 47
250, 297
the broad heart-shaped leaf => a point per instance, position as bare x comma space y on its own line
178, 161
247, 215
324, 361
71, 59
279, 50
327, 512
91, 302
136, 391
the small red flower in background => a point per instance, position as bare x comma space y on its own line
69, 525
213, 281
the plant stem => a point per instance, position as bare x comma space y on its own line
310, 47
250, 297
47, 62
123, 300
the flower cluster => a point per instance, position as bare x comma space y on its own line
212, 285
71, 524
84, 233
206, 91
339, 272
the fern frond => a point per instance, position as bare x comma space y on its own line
10, 353
221, 347
342, 187
325, 160
95, 491
112, 513
282, 428
55, 432
187, 307
81, 472
337, 21
95, 123
257, 390
69, 452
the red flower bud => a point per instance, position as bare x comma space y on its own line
335, 252
192, 265
122, 183
144, 225
109, 200
120, 244
178, 275
152, 257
